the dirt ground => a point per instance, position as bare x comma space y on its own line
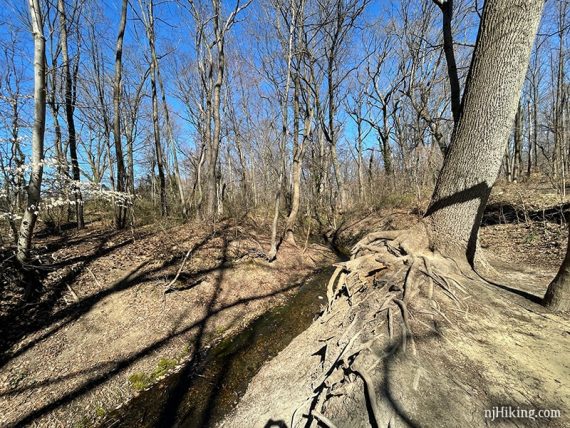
497, 348
104, 327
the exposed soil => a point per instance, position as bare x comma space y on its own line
68, 355
493, 347
102, 327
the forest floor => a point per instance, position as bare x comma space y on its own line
498, 347
103, 327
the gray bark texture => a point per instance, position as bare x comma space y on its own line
557, 296
490, 102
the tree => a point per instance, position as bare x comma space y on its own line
35, 182
120, 211
70, 85
557, 295
416, 274
287, 43
446, 7
158, 151
338, 21
211, 33
497, 72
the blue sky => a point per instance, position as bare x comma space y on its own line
174, 33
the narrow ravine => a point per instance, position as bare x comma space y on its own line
212, 388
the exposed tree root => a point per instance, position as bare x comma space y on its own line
400, 344
411, 282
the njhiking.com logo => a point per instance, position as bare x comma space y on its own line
510, 412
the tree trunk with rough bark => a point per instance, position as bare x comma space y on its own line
490, 101
557, 295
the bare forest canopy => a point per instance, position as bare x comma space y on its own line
291, 108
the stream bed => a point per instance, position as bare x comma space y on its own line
200, 395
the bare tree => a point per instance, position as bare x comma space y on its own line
211, 32
35, 183
120, 210
288, 45
70, 97
339, 20
497, 72
148, 18
446, 7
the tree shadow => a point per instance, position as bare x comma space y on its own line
209, 385
117, 367
175, 394
29, 319
479, 191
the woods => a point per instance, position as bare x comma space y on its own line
277, 133
298, 68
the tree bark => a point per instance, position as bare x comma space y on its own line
157, 144
557, 295
120, 209
69, 110
498, 67
446, 7
35, 183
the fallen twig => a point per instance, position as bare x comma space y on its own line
171, 283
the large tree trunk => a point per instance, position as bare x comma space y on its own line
490, 102
120, 209
34, 186
69, 110
557, 296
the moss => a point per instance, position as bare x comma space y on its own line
163, 366
100, 411
139, 381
